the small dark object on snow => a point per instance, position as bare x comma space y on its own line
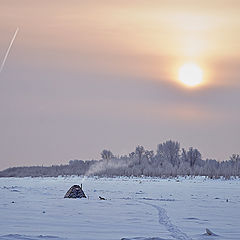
75, 192
13, 202
209, 232
102, 198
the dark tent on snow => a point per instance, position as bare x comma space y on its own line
75, 192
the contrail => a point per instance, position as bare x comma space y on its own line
8, 50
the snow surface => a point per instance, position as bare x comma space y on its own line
136, 208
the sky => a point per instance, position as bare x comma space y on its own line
83, 76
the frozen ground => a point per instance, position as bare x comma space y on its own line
34, 209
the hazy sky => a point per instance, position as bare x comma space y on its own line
87, 75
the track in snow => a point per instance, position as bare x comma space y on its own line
164, 220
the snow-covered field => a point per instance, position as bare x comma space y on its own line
146, 208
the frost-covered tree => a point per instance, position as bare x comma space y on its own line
149, 155
235, 159
184, 156
169, 151
131, 155
139, 152
107, 154
193, 155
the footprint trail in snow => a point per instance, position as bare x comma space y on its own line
164, 220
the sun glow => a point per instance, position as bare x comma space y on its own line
190, 75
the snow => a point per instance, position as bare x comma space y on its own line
136, 208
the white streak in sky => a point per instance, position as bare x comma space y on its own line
8, 50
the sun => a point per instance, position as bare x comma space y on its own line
190, 75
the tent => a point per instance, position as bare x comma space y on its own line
75, 192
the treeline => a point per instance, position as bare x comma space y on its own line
168, 160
